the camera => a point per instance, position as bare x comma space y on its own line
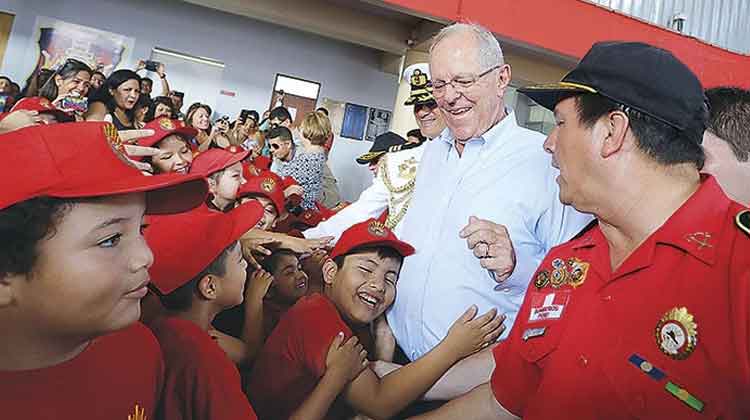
152, 65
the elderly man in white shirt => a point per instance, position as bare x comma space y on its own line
483, 180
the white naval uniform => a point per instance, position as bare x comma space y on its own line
391, 190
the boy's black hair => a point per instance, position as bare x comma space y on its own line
271, 262
181, 298
22, 226
382, 252
279, 132
281, 113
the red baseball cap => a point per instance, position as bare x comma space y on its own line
43, 106
370, 233
86, 159
213, 160
164, 127
266, 184
185, 244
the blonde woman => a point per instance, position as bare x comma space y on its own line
316, 130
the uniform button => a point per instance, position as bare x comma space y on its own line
607, 298
506, 289
583, 361
413, 355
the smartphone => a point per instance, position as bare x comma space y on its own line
243, 115
78, 104
152, 65
3, 101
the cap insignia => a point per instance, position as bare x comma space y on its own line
376, 228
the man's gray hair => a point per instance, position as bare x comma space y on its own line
490, 53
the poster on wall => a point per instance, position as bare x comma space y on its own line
378, 122
57, 41
355, 118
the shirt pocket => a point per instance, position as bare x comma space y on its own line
536, 348
640, 381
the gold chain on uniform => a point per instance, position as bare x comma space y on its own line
393, 219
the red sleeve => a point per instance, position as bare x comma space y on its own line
315, 336
514, 379
217, 389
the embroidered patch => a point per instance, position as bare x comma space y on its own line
268, 185
376, 228
166, 124
542, 279
548, 306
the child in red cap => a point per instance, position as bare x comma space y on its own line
223, 170
196, 277
360, 285
73, 270
266, 189
199, 271
172, 138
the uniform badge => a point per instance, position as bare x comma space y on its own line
700, 238
677, 333
166, 124
44, 102
542, 279
268, 185
578, 272
559, 277
742, 220
533, 333
376, 228
548, 306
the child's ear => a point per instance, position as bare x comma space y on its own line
208, 287
7, 295
211, 184
330, 269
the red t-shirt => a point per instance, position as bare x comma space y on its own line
118, 376
293, 359
596, 344
200, 381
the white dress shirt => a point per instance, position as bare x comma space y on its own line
505, 177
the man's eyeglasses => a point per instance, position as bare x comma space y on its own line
459, 83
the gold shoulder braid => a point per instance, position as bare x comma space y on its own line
394, 217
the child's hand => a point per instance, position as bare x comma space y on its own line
260, 282
470, 333
345, 361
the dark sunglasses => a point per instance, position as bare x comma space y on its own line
275, 146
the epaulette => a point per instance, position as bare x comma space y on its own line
742, 220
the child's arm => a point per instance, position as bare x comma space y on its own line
343, 363
252, 332
383, 398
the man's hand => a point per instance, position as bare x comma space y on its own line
307, 246
255, 245
130, 138
491, 243
293, 189
471, 333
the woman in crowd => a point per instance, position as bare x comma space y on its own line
140, 110
316, 130
68, 86
199, 117
161, 106
116, 100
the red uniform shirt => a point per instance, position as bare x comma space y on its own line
118, 376
294, 359
201, 382
666, 335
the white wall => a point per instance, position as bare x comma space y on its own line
252, 51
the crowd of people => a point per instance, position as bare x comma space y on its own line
161, 264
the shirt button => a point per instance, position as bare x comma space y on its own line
583, 361
506, 289
607, 298
413, 356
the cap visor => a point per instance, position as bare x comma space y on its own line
549, 94
165, 194
186, 132
399, 246
369, 157
246, 216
